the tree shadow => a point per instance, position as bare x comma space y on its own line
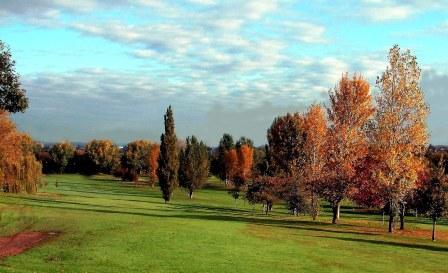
389, 243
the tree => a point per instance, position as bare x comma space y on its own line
286, 138
349, 112
265, 190
399, 134
194, 165
19, 169
239, 162
244, 141
103, 156
225, 144
61, 154
134, 160
168, 158
153, 163
432, 196
315, 126
12, 95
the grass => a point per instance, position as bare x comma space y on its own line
110, 226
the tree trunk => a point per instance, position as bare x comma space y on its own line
335, 209
391, 221
191, 194
402, 211
314, 206
338, 211
433, 229
383, 217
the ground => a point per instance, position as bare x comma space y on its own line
104, 225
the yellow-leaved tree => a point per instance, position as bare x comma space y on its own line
399, 135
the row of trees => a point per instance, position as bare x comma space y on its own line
354, 149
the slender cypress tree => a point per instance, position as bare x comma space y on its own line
168, 158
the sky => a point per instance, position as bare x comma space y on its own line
110, 68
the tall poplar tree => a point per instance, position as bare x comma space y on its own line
400, 135
168, 158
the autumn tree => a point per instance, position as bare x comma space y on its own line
12, 95
239, 166
19, 169
225, 145
194, 165
399, 135
153, 163
315, 127
61, 153
134, 159
103, 156
349, 112
168, 158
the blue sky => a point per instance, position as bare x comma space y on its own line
109, 69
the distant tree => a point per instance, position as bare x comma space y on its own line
61, 154
168, 158
399, 135
134, 159
153, 163
286, 139
240, 171
315, 149
265, 190
261, 160
103, 155
244, 141
12, 95
194, 165
349, 113
225, 144
19, 169
432, 195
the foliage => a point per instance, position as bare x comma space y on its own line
153, 163
399, 135
194, 165
103, 156
286, 138
225, 144
12, 95
316, 130
19, 169
135, 159
61, 154
349, 112
168, 158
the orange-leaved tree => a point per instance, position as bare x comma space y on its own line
19, 169
153, 163
349, 112
315, 126
399, 135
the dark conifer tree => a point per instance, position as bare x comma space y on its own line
168, 158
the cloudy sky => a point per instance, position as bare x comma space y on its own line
109, 68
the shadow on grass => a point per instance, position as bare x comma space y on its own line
389, 243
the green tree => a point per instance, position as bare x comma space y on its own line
432, 196
168, 158
194, 165
61, 154
12, 95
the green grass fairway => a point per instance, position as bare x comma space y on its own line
109, 226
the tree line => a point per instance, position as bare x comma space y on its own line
368, 145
